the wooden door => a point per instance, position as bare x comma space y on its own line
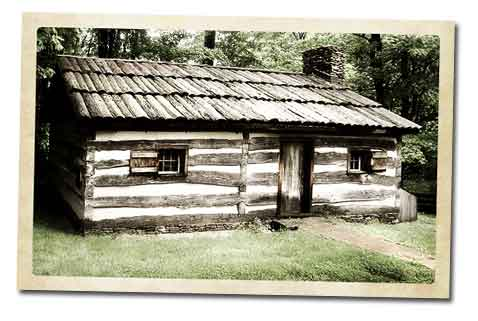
295, 177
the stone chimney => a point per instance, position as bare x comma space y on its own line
326, 62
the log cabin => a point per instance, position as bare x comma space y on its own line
170, 147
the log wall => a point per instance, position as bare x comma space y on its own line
356, 197
262, 174
210, 192
67, 162
230, 177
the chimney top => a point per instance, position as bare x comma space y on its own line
326, 62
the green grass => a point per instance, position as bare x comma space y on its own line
242, 254
419, 235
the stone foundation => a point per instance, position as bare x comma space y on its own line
163, 229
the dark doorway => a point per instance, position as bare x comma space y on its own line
295, 183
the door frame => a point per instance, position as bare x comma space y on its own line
307, 180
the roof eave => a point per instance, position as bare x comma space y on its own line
229, 125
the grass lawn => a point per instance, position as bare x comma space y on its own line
419, 235
241, 254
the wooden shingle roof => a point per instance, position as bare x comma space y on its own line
129, 89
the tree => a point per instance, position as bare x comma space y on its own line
50, 43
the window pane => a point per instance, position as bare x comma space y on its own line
355, 161
174, 165
169, 160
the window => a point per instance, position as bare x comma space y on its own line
367, 160
164, 161
169, 161
360, 161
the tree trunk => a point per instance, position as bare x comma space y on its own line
376, 63
108, 42
404, 93
102, 43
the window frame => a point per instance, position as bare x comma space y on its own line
169, 160
182, 161
363, 154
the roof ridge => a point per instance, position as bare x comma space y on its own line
195, 65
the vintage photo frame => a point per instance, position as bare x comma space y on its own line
439, 289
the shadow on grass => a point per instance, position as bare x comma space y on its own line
52, 215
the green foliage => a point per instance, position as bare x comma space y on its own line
269, 50
420, 151
168, 46
50, 43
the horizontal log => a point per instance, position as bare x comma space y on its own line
202, 151
344, 177
232, 169
130, 180
114, 171
373, 142
261, 199
157, 144
347, 192
259, 143
154, 223
334, 177
105, 155
330, 149
164, 189
195, 177
356, 209
263, 168
329, 158
111, 163
180, 201
215, 159
120, 212
262, 158
383, 180
154, 135
338, 166
263, 179
214, 178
